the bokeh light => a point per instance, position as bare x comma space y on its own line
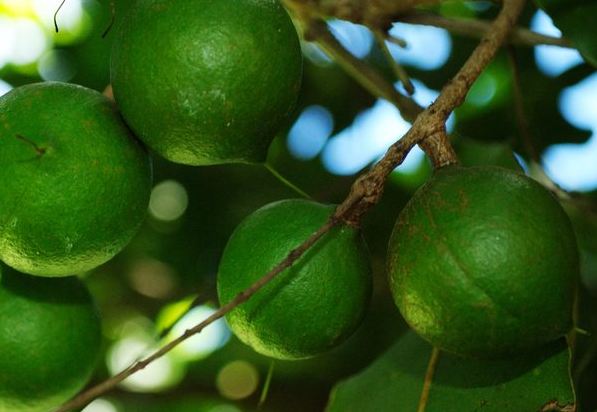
169, 200
202, 344
224, 408
237, 380
552, 60
572, 166
309, 133
368, 137
27, 35
153, 278
69, 18
25, 41
101, 405
57, 65
428, 48
136, 342
483, 90
357, 39
4, 87
371, 134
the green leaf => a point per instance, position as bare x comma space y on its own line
532, 382
576, 19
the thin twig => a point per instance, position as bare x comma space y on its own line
112, 19
478, 28
523, 124
200, 299
429, 376
39, 149
365, 192
56, 15
396, 40
370, 13
266, 384
397, 68
364, 74
87, 396
286, 182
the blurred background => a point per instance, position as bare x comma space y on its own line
337, 131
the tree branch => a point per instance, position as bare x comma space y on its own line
364, 74
371, 13
479, 28
85, 397
365, 192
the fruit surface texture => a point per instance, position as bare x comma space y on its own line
74, 183
310, 307
50, 337
483, 262
206, 81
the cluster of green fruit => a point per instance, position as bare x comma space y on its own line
202, 82
482, 261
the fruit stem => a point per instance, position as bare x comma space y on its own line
429, 376
397, 68
56, 15
266, 384
40, 150
112, 19
285, 181
439, 149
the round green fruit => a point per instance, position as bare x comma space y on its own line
483, 262
206, 81
310, 307
50, 335
74, 183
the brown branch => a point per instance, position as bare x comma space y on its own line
371, 13
399, 71
479, 28
363, 73
365, 192
377, 85
94, 392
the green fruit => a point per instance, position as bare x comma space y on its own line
74, 183
206, 81
309, 308
483, 262
50, 338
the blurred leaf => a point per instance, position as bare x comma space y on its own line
473, 152
576, 19
584, 369
331, 87
183, 403
395, 381
497, 120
